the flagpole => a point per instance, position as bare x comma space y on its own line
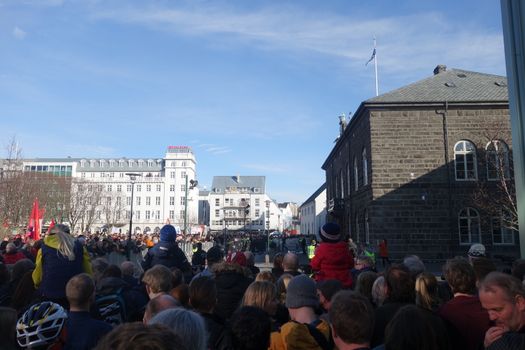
375, 67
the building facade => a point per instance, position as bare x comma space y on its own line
101, 190
411, 165
240, 204
313, 212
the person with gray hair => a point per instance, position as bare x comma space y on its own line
12, 254
188, 325
414, 264
159, 304
503, 296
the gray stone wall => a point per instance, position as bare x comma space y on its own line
413, 199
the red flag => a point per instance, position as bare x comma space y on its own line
51, 225
34, 220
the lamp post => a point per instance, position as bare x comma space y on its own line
246, 210
193, 184
267, 224
132, 178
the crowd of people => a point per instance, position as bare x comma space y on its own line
58, 293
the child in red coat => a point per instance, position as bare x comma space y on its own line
333, 260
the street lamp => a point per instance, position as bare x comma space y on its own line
132, 178
193, 184
246, 210
267, 222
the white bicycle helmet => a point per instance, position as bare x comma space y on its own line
40, 325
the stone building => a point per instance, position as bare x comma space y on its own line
100, 190
410, 164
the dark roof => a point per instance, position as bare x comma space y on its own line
315, 194
454, 85
223, 182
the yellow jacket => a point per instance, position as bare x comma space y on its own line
52, 241
296, 336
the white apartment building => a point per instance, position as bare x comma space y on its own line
161, 189
313, 212
240, 203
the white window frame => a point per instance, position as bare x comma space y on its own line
500, 152
472, 218
503, 231
463, 155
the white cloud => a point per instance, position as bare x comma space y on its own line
218, 150
405, 43
19, 33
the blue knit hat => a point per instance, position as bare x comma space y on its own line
330, 232
168, 233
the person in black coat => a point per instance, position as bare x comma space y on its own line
232, 282
167, 252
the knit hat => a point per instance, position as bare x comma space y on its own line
476, 250
168, 233
301, 292
330, 232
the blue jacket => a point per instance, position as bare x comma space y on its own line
84, 332
57, 270
168, 254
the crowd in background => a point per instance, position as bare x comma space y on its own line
61, 292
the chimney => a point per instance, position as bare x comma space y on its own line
342, 124
238, 178
440, 68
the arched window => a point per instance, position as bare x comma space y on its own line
502, 231
367, 228
469, 228
497, 153
356, 175
465, 161
365, 168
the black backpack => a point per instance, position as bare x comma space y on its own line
112, 307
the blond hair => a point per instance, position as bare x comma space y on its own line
66, 243
259, 294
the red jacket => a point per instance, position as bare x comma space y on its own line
333, 261
11, 258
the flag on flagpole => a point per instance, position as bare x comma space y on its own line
372, 57
34, 221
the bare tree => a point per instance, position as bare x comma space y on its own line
85, 195
497, 195
113, 209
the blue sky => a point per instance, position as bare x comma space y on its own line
255, 87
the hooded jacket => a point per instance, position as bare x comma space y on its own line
297, 336
53, 270
333, 261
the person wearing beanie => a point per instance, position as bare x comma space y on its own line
333, 260
305, 330
167, 252
477, 250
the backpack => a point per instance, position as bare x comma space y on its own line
112, 307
